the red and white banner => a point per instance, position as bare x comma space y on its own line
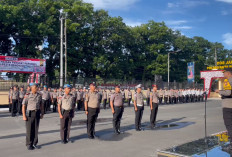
22, 65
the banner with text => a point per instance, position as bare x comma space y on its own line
22, 65
190, 72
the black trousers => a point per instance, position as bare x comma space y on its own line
14, 107
148, 101
165, 99
170, 100
20, 105
138, 117
65, 124
129, 101
153, 116
54, 104
227, 116
45, 105
91, 120
118, 112
104, 103
174, 100
160, 100
32, 127
49, 105
187, 98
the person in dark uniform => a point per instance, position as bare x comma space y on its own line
32, 113
139, 107
92, 109
129, 96
45, 99
116, 103
104, 98
66, 110
22, 93
154, 96
54, 97
14, 100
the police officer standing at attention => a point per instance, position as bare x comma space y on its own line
66, 110
92, 109
104, 98
54, 96
45, 99
166, 94
116, 103
21, 96
161, 94
148, 96
129, 96
14, 98
139, 107
154, 106
32, 113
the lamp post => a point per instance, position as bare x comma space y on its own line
61, 48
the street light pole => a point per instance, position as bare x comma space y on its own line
61, 51
65, 33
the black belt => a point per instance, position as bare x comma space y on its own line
33, 110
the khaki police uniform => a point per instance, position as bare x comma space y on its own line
45, 100
166, 94
117, 99
93, 108
67, 111
21, 96
139, 102
104, 98
161, 95
129, 97
54, 97
33, 103
148, 96
154, 96
15, 101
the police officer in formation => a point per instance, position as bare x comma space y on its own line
14, 99
54, 96
22, 92
32, 113
117, 107
154, 104
139, 107
92, 109
104, 98
45, 99
66, 109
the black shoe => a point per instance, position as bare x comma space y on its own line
30, 148
91, 137
36, 147
63, 142
138, 129
117, 132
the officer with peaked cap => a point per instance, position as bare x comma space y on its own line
66, 110
92, 109
32, 113
139, 107
154, 96
116, 103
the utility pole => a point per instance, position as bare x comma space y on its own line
65, 33
61, 50
168, 68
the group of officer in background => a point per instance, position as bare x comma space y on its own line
35, 102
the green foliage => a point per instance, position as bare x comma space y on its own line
100, 46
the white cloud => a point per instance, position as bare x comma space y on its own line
227, 39
187, 4
112, 4
176, 22
226, 1
181, 27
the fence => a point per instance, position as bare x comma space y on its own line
54, 82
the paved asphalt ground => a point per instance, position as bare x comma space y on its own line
188, 117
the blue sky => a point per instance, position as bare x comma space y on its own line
211, 19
